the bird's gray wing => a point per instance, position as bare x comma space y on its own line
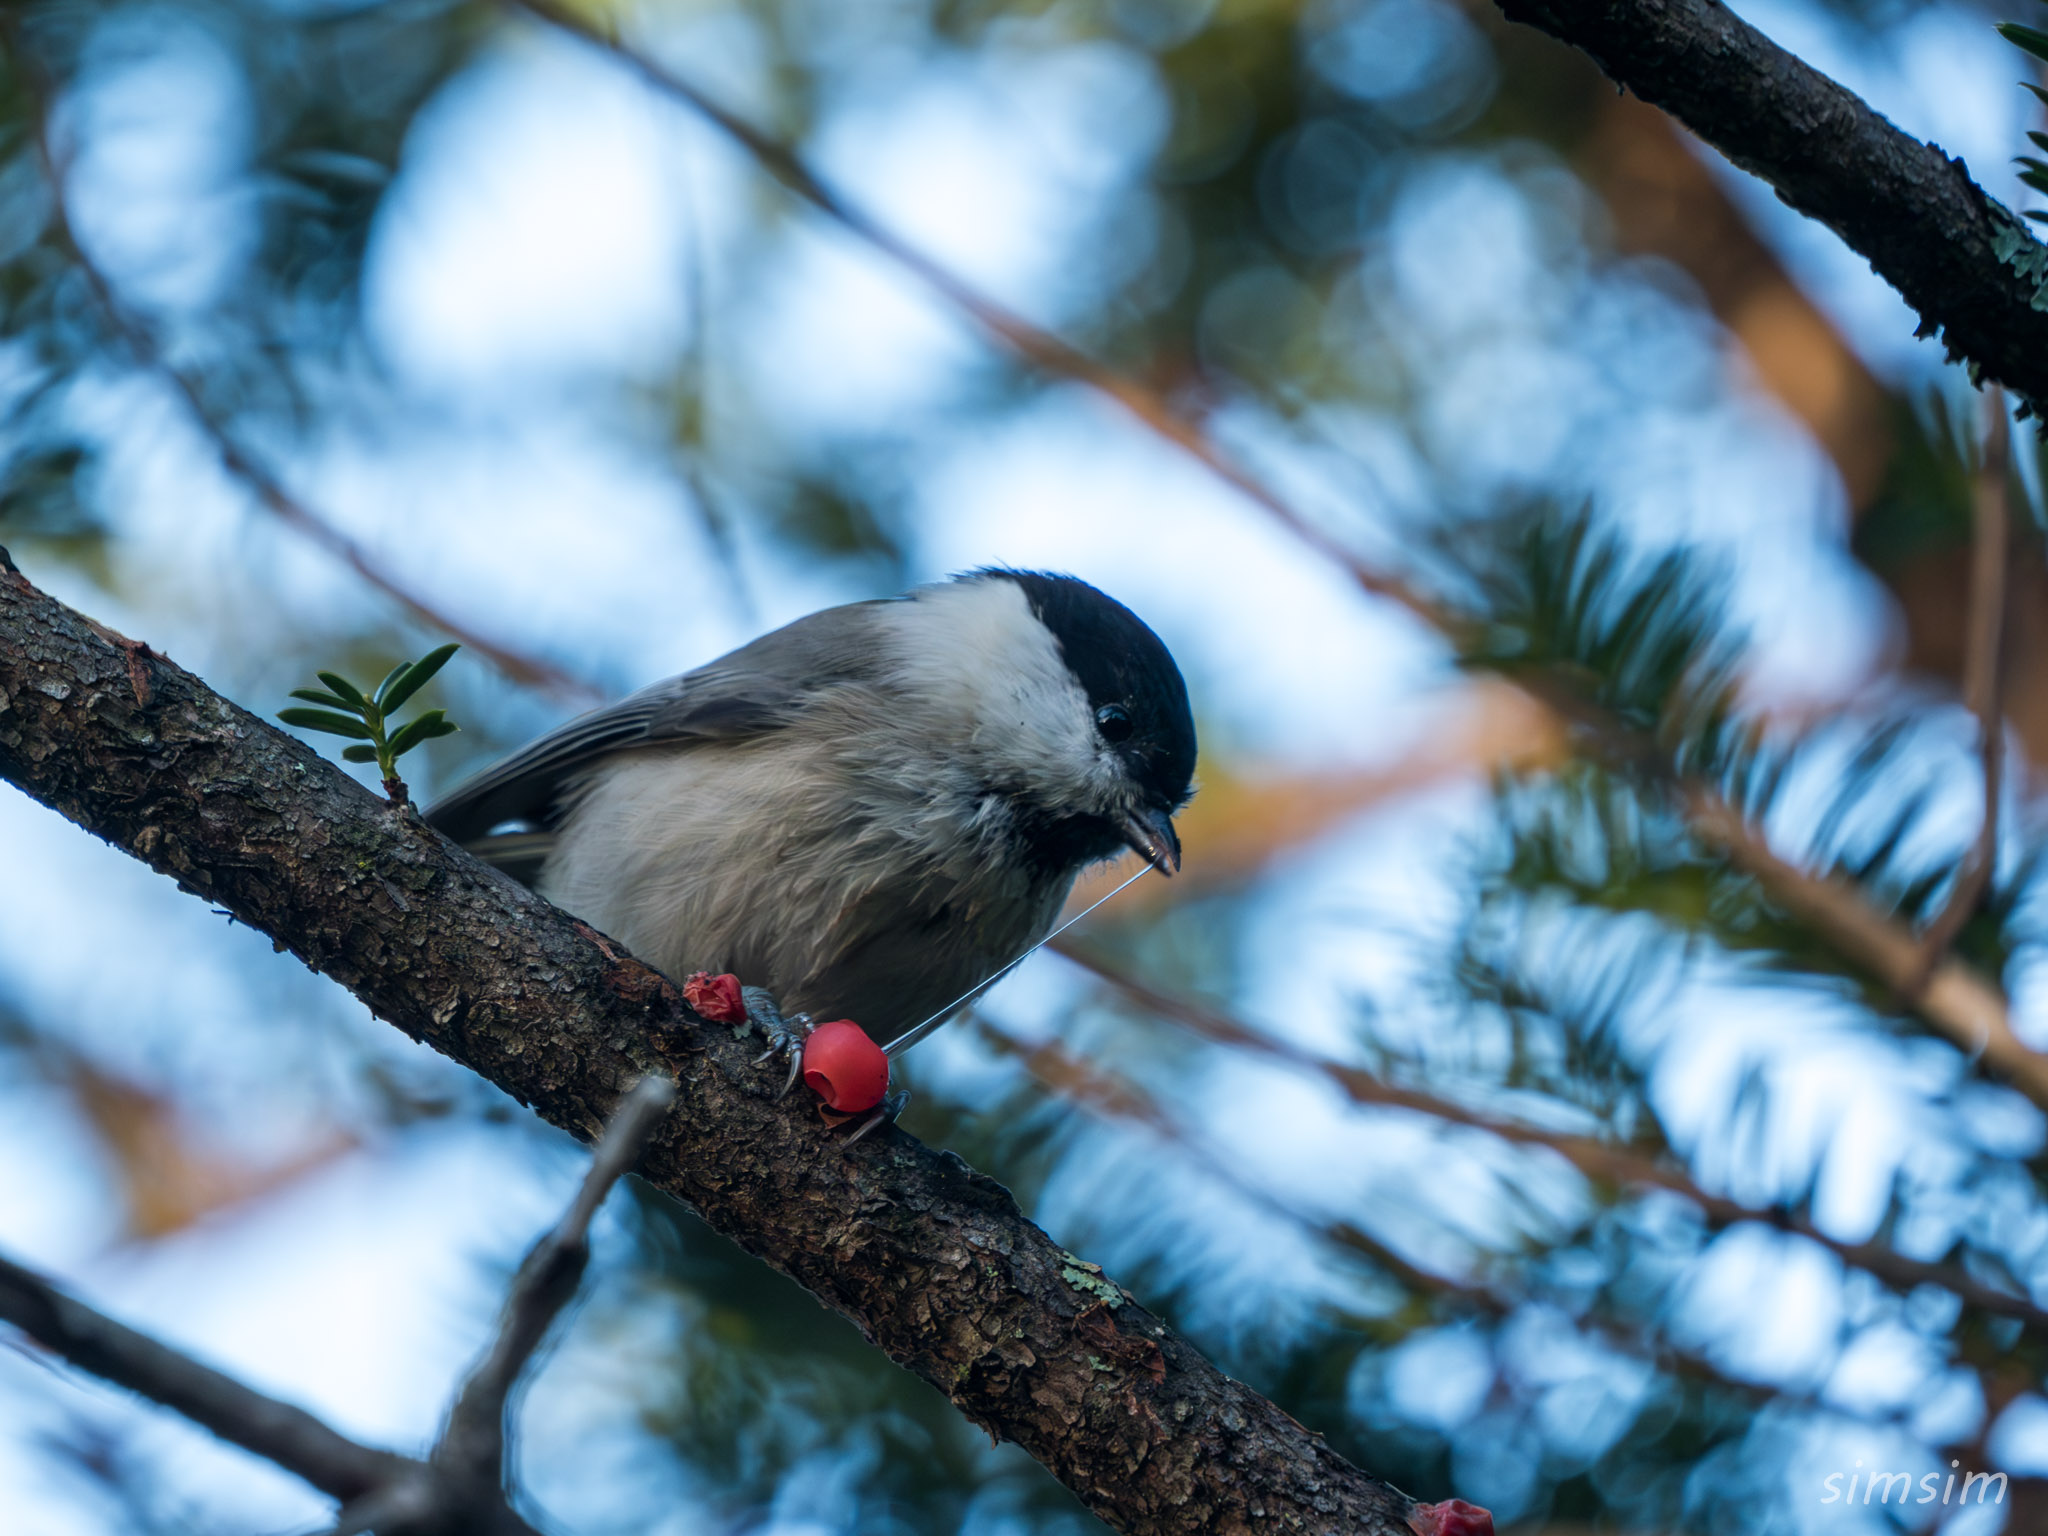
758, 688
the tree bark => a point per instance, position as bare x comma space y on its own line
933, 1261
1965, 262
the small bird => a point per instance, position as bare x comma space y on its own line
868, 812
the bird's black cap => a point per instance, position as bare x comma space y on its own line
1119, 661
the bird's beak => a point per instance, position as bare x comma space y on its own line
1150, 833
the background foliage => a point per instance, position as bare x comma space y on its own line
554, 367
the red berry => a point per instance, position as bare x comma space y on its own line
845, 1068
715, 998
1453, 1517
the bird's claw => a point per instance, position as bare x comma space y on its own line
887, 1110
786, 1036
793, 1048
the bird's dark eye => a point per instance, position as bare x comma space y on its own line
1114, 721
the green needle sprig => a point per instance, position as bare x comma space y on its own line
347, 710
2033, 170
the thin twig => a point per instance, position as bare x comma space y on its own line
531, 671
692, 459
1030, 342
473, 1445
1602, 1162
236, 458
461, 1487
1983, 675
404, 1506
1112, 1096
1956, 1002
276, 1431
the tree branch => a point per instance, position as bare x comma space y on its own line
1959, 256
933, 1261
473, 1445
460, 1490
274, 1430
1967, 264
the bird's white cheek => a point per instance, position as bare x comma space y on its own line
1108, 785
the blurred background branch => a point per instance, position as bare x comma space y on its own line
277, 1431
1968, 267
1607, 1166
240, 461
461, 1486
1630, 838
1983, 676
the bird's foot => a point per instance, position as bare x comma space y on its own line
886, 1111
785, 1037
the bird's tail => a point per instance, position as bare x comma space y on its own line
519, 854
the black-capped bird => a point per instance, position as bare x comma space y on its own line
868, 812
